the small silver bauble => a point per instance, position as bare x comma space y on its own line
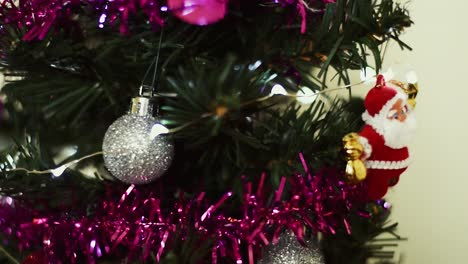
134, 150
289, 251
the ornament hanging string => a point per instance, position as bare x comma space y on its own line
155, 64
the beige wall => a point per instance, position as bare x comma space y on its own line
431, 200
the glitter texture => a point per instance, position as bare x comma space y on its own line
132, 153
136, 226
37, 17
289, 251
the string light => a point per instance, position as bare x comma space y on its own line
278, 89
255, 65
56, 172
411, 77
389, 74
367, 74
306, 95
157, 130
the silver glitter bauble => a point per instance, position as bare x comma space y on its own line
133, 152
289, 251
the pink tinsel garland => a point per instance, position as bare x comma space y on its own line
37, 17
321, 203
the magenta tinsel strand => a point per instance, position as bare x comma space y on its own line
302, 11
38, 17
135, 221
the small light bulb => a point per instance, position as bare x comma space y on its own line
2, 80
306, 96
157, 130
255, 65
367, 74
6, 200
278, 89
58, 171
389, 74
411, 77
102, 18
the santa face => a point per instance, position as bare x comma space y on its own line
399, 125
398, 111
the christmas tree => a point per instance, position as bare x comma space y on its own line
177, 131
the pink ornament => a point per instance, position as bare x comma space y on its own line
198, 12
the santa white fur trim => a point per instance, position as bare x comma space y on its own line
367, 147
376, 121
387, 165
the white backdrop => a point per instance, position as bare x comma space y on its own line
431, 200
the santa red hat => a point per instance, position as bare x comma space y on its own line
381, 98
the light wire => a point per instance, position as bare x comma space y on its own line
59, 170
264, 98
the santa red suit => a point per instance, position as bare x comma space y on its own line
385, 154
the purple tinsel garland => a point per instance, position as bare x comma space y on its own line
136, 221
37, 17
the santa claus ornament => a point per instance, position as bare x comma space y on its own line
379, 153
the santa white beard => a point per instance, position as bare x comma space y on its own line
398, 134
